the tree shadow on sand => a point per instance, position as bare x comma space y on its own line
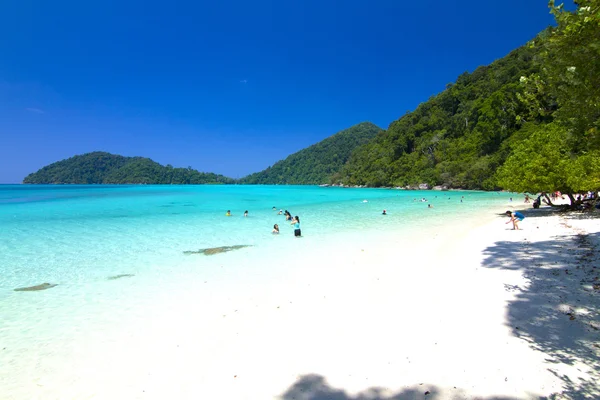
557, 312
315, 387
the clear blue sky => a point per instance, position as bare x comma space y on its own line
229, 86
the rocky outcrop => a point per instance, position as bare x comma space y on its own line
216, 250
112, 278
42, 286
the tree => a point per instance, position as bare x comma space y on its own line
538, 163
543, 162
563, 155
571, 59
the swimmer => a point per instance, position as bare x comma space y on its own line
280, 212
228, 213
246, 213
275, 229
384, 212
429, 206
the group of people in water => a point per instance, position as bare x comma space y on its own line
295, 221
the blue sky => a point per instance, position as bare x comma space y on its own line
229, 86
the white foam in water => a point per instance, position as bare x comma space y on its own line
53, 342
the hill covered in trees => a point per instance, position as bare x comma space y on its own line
317, 163
457, 138
106, 168
527, 122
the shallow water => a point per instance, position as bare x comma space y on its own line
117, 252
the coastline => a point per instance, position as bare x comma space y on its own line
469, 311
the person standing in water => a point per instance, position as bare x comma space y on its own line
246, 213
296, 223
275, 229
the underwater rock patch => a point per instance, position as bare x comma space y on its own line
42, 286
216, 250
112, 278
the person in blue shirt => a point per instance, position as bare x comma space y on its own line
515, 218
296, 223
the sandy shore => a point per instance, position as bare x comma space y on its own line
475, 311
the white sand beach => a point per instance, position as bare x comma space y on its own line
471, 311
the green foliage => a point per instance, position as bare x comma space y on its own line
539, 163
455, 138
317, 163
543, 162
571, 60
563, 155
585, 172
106, 168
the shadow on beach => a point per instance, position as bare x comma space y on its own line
315, 387
557, 312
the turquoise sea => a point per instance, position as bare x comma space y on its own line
82, 238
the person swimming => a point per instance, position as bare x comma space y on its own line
275, 229
228, 213
384, 212
246, 213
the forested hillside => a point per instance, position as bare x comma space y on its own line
106, 168
457, 138
528, 122
317, 163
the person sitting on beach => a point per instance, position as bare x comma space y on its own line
275, 229
228, 213
246, 213
296, 223
384, 212
515, 218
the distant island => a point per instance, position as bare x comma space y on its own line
105, 168
311, 166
